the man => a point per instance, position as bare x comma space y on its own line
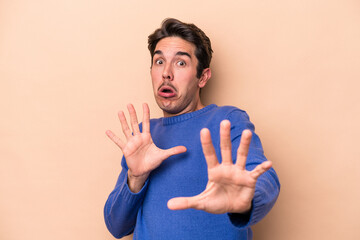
204, 161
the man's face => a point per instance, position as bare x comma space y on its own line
173, 73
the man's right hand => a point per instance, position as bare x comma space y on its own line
141, 154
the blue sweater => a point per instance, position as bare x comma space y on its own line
146, 213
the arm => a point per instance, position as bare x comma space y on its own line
141, 156
267, 186
122, 206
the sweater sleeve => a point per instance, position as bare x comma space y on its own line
267, 186
122, 206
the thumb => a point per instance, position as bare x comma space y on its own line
181, 203
260, 169
173, 151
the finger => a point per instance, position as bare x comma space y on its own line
225, 142
181, 203
173, 151
243, 149
133, 119
146, 118
260, 169
208, 148
115, 139
124, 125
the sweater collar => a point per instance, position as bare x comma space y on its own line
186, 116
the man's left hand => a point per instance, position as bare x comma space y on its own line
231, 187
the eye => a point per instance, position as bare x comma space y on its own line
181, 63
159, 61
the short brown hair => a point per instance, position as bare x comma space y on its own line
171, 27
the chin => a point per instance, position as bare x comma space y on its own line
169, 108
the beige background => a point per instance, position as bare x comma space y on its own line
67, 67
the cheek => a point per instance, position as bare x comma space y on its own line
191, 87
152, 73
154, 76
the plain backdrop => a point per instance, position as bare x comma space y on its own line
67, 67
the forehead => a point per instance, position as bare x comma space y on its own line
175, 44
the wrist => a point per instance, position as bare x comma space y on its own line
136, 183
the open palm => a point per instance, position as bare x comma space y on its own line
230, 187
141, 154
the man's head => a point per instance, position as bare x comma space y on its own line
181, 55
174, 28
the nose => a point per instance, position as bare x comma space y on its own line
167, 73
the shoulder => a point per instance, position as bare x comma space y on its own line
238, 118
233, 113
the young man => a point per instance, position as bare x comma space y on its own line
204, 161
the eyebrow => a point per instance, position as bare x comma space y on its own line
183, 54
180, 53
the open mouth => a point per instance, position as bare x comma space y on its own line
166, 92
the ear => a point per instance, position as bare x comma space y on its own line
205, 76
